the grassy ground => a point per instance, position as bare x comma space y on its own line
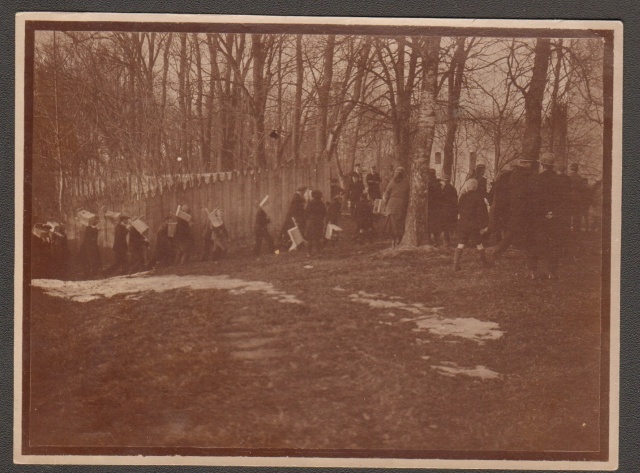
212, 369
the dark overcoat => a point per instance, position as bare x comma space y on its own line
472, 210
315, 214
449, 207
520, 208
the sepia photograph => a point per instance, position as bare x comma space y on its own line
290, 241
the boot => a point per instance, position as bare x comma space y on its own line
456, 259
483, 257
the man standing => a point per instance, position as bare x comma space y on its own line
434, 207
295, 214
120, 246
449, 215
373, 184
478, 175
545, 219
356, 188
499, 212
184, 235
518, 224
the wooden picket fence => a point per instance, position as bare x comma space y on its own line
236, 193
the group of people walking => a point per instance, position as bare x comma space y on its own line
538, 210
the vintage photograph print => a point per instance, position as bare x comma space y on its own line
288, 241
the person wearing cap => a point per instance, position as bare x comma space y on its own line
373, 184
364, 219
183, 237
546, 206
163, 251
356, 188
434, 207
478, 175
472, 223
517, 224
261, 230
315, 214
137, 244
449, 219
396, 198
499, 205
295, 214
121, 231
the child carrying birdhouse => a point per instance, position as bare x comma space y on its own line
315, 214
261, 229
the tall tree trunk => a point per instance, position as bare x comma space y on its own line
56, 121
182, 97
416, 231
533, 100
454, 82
558, 118
297, 108
324, 91
213, 75
202, 145
259, 54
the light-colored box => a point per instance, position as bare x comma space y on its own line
183, 215
87, 218
296, 237
140, 226
112, 216
378, 206
332, 231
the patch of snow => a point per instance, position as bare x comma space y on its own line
86, 291
477, 372
431, 319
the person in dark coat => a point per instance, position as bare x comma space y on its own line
546, 210
59, 252
295, 213
207, 240
41, 257
219, 236
499, 212
478, 175
364, 219
356, 188
396, 198
518, 224
434, 207
473, 221
183, 238
89, 254
335, 187
261, 229
334, 209
449, 209
120, 263
163, 252
315, 214
373, 184
137, 245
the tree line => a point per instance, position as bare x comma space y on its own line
114, 104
